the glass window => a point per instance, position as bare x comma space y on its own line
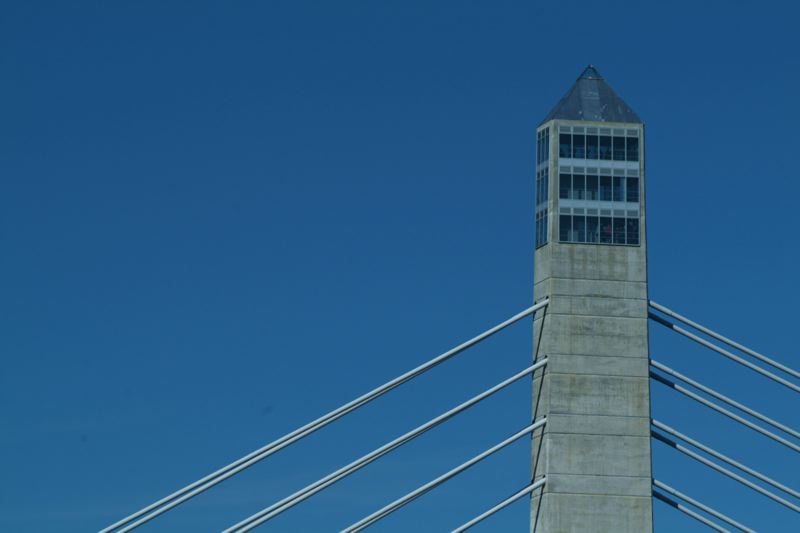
543, 146
578, 184
619, 230
592, 147
579, 228
605, 147
546, 191
564, 185
540, 193
579, 146
592, 191
539, 150
564, 227
538, 230
544, 227
605, 188
597, 222
541, 228
547, 144
565, 145
538, 190
619, 190
632, 190
592, 229
539, 187
633, 149
632, 227
546, 152
619, 148
605, 230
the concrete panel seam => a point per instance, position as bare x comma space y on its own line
596, 415
626, 435
556, 354
641, 378
620, 476
595, 495
607, 317
594, 297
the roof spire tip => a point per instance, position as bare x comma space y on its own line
591, 73
592, 99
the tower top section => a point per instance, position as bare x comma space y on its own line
592, 99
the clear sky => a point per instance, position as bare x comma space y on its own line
221, 220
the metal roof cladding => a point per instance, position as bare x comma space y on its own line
591, 98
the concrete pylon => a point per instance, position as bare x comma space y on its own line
591, 262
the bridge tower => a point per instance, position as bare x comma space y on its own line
591, 262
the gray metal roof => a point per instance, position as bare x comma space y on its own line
591, 98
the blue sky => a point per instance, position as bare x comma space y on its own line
220, 220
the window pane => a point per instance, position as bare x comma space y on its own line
544, 227
605, 147
546, 185
592, 147
564, 185
579, 146
605, 188
592, 188
564, 227
538, 191
565, 145
633, 149
618, 190
539, 149
605, 229
540, 230
546, 144
577, 186
619, 148
619, 231
633, 230
632, 190
579, 228
592, 229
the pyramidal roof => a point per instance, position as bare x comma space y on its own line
591, 98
